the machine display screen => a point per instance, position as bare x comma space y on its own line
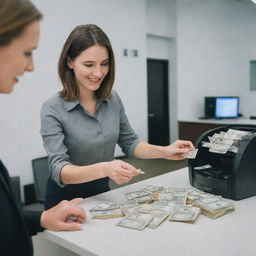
226, 107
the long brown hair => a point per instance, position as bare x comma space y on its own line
81, 38
15, 15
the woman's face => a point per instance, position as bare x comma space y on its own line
90, 68
16, 58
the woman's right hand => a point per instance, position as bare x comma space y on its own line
119, 171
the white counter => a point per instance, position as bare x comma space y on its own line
232, 234
231, 121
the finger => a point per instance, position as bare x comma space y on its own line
69, 226
127, 166
76, 211
137, 172
181, 151
122, 180
125, 172
77, 200
80, 220
189, 144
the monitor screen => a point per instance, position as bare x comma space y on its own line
226, 107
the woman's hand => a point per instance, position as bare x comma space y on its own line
176, 150
119, 171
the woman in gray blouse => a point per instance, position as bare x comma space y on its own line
82, 124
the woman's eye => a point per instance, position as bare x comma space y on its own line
28, 54
105, 64
88, 65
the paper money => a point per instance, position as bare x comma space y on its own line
158, 218
203, 167
142, 210
104, 206
191, 154
136, 194
214, 208
223, 142
138, 208
153, 188
106, 214
144, 199
185, 213
137, 221
141, 172
163, 206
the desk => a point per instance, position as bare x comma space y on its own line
192, 129
232, 234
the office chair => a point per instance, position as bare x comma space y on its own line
15, 184
41, 173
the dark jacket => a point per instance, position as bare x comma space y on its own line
16, 226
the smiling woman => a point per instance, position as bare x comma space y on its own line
82, 124
19, 34
16, 57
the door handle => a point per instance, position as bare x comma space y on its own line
151, 115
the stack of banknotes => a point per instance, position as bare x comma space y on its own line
153, 205
223, 142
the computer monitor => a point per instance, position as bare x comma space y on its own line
226, 107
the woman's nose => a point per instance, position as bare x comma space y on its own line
30, 65
98, 72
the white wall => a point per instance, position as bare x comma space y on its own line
216, 41
161, 44
125, 24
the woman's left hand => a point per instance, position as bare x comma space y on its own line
176, 150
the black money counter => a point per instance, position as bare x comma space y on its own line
231, 175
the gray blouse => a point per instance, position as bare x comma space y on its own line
71, 135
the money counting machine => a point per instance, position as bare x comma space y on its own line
231, 174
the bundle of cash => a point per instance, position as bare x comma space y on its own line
106, 210
176, 198
140, 196
136, 221
163, 206
214, 207
223, 142
158, 218
128, 209
196, 194
105, 206
185, 213
115, 213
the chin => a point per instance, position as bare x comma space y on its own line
94, 88
6, 89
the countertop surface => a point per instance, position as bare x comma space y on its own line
232, 234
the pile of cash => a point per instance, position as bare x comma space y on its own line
214, 207
106, 210
223, 142
152, 205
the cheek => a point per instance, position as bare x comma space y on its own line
106, 71
81, 72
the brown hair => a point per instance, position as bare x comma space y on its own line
81, 38
15, 15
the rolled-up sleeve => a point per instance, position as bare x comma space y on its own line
53, 141
128, 139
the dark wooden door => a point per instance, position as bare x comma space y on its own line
158, 102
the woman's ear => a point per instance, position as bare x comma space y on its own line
69, 63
